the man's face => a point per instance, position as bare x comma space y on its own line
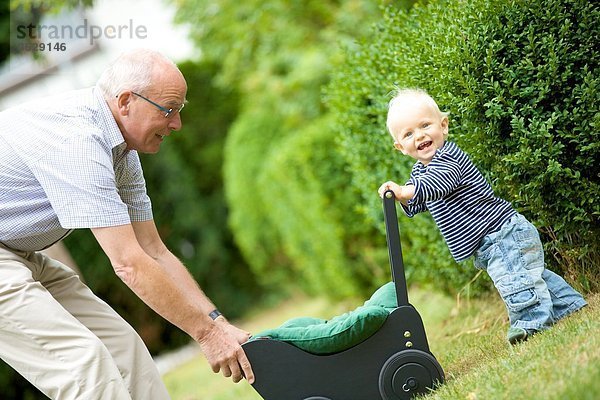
145, 126
419, 129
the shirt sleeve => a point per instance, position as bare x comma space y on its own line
78, 178
132, 187
442, 177
413, 209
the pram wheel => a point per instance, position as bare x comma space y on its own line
409, 373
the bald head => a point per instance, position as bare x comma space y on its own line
136, 70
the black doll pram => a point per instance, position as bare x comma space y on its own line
392, 364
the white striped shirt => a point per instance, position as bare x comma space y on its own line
64, 165
459, 199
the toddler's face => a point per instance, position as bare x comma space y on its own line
419, 129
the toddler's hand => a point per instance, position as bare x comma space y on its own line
390, 185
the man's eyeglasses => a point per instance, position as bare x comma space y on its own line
168, 111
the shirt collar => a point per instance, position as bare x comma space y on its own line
108, 124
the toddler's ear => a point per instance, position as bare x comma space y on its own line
399, 147
444, 124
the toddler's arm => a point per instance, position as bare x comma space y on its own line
402, 193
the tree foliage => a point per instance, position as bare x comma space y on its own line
301, 173
270, 163
290, 207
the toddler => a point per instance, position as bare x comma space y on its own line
472, 220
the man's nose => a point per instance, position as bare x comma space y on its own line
175, 122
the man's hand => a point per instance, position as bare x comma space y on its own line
222, 348
241, 335
156, 276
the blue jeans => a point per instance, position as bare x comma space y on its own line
514, 258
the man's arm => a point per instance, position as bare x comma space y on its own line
156, 276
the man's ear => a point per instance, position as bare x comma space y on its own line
399, 147
123, 100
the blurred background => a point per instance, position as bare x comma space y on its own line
271, 186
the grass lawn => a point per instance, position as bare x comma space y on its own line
468, 339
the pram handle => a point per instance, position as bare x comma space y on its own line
394, 247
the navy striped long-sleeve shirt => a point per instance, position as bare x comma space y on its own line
459, 199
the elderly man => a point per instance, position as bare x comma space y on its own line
71, 161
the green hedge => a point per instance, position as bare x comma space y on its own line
520, 80
292, 212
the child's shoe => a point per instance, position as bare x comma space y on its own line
516, 335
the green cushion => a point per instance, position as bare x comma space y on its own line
319, 336
384, 297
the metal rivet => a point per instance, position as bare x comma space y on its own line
407, 334
408, 344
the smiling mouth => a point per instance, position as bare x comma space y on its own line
424, 145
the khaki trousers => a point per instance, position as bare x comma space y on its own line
64, 339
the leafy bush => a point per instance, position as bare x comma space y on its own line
316, 216
249, 216
537, 79
285, 183
520, 81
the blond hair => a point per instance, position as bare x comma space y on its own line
401, 95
